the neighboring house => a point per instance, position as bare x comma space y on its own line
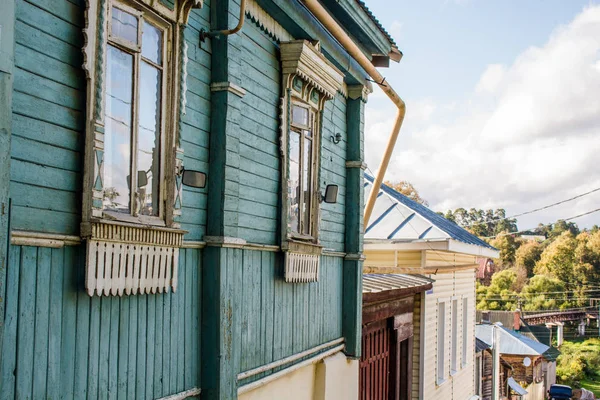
485, 270
533, 363
484, 371
404, 237
389, 304
167, 233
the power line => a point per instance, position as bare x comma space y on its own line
535, 210
531, 229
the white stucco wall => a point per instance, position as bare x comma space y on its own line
333, 378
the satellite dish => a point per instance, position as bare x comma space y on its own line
527, 361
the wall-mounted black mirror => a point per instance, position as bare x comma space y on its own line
331, 192
195, 179
142, 179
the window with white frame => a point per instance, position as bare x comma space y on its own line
133, 54
309, 81
134, 112
465, 330
454, 342
441, 342
303, 164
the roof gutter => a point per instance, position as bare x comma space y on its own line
338, 32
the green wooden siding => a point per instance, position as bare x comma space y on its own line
333, 171
48, 117
61, 343
259, 137
195, 124
278, 319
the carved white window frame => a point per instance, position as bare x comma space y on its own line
308, 79
121, 247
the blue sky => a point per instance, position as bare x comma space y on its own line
483, 82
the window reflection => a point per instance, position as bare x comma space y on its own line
152, 43
294, 189
148, 155
117, 136
124, 25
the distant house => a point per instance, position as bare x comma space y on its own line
533, 363
484, 371
404, 237
485, 270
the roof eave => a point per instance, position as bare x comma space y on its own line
424, 244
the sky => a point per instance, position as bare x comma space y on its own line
503, 104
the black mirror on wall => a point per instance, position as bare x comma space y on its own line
331, 192
195, 179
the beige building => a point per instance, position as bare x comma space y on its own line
404, 237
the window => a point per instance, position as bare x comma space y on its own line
309, 81
465, 330
133, 138
302, 165
441, 343
454, 363
133, 54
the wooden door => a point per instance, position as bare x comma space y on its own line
375, 360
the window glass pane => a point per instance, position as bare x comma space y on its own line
124, 25
299, 115
117, 137
152, 43
307, 185
148, 146
294, 183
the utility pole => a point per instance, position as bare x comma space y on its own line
495, 362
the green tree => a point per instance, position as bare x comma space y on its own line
508, 245
500, 295
527, 255
483, 223
544, 293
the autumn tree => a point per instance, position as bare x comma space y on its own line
407, 189
527, 255
508, 245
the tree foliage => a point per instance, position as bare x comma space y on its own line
527, 255
482, 223
407, 189
500, 295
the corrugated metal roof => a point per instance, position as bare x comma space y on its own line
376, 21
516, 387
480, 345
511, 342
395, 216
374, 283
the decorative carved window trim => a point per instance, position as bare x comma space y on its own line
161, 235
309, 80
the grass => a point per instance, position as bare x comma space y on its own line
579, 363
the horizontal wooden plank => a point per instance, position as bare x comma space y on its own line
45, 132
44, 154
39, 220
27, 105
49, 23
37, 40
45, 198
44, 176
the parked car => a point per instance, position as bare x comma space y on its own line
560, 392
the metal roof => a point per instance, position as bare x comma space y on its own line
375, 283
516, 387
395, 216
376, 21
511, 342
480, 345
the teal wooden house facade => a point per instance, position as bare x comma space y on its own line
123, 275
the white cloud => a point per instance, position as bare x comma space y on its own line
528, 135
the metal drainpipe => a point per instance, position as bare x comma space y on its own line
332, 26
204, 34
